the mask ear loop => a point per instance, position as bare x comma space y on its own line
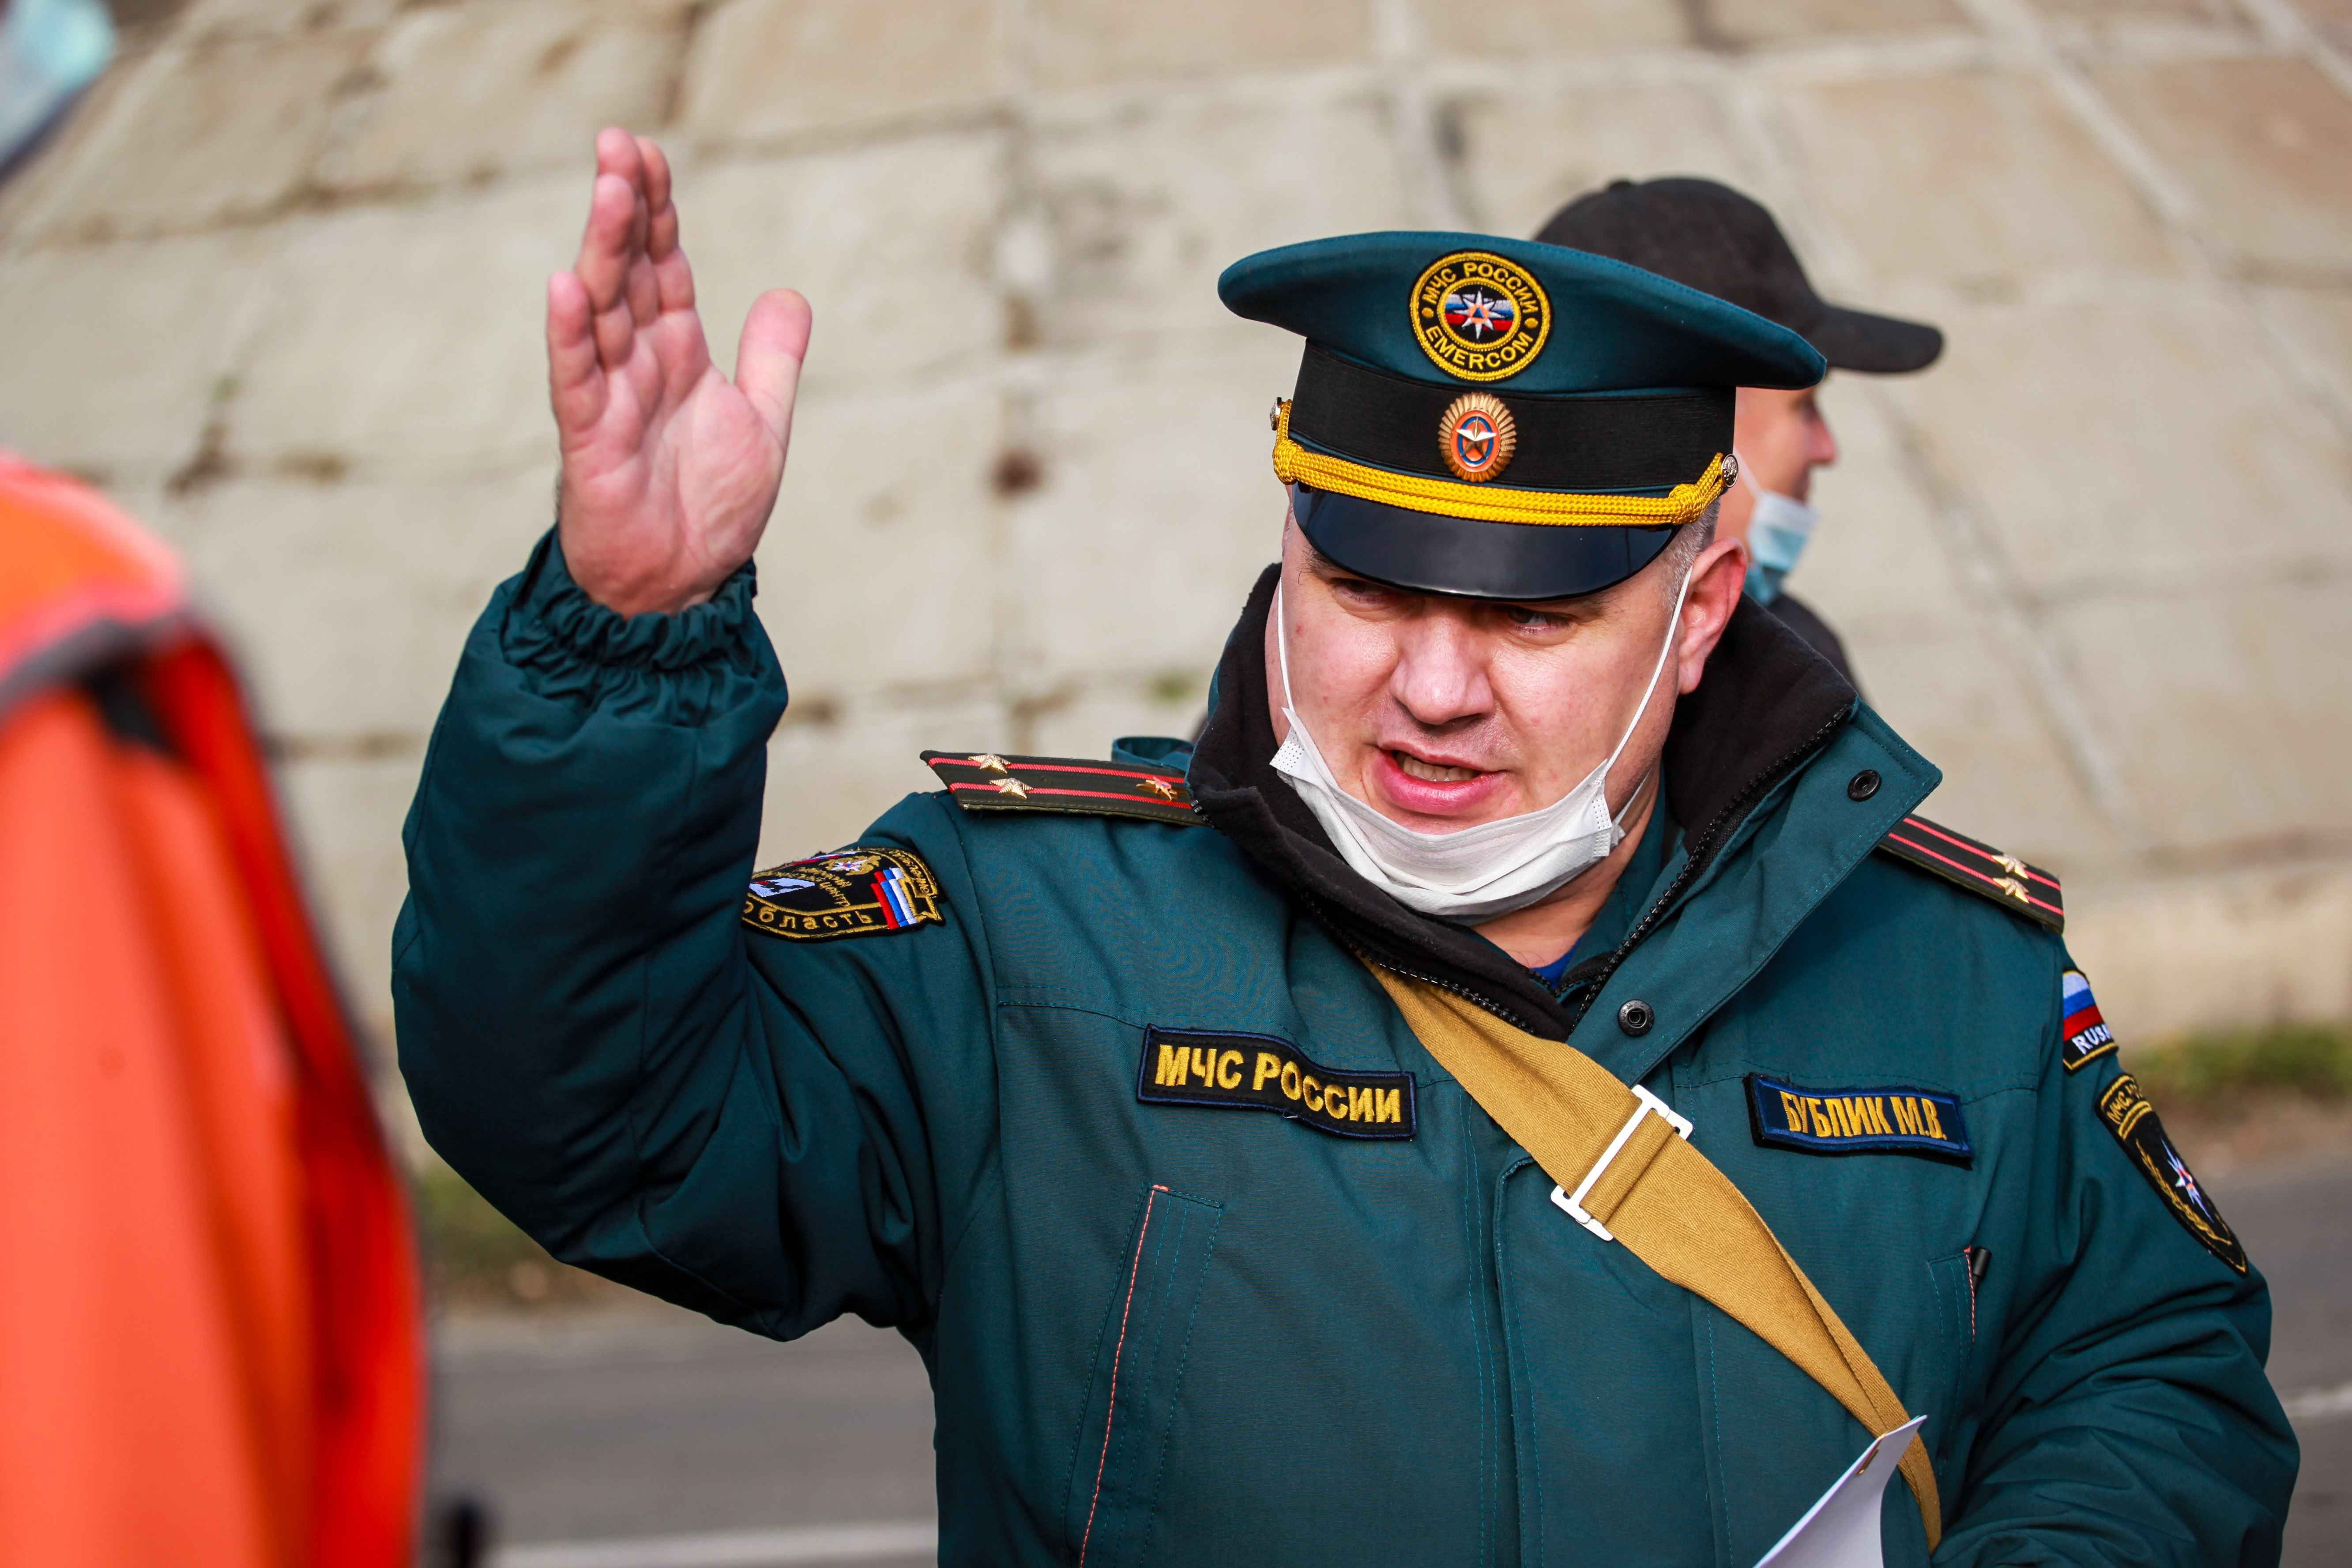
1673, 624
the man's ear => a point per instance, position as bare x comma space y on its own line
1717, 577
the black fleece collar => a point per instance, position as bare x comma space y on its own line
1768, 703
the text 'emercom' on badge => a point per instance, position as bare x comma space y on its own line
1480, 317
1265, 1072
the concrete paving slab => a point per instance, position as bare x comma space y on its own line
1966, 179
472, 91
2211, 12
1140, 210
412, 334
1136, 557
1771, 21
2185, 451
211, 133
1877, 569
2211, 772
829, 779
1963, 703
281, 18
133, 340
765, 68
2319, 322
2331, 19
345, 815
1526, 155
1081, 43
350, 601
878, 566
1517, 30
2265, 145
889, 242
2271, 942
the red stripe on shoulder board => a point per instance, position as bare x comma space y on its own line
1966, 870
1972, 846
1088, 793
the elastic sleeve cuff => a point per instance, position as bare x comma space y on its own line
678, 668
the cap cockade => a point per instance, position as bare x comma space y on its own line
1602, 422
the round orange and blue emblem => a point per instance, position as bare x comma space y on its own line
1477, 436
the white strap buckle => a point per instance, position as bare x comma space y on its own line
1574, 1206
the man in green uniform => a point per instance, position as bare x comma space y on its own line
1242, 1133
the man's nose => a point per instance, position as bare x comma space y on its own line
1821, 446
1441, 670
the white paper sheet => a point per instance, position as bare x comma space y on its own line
1841, 1530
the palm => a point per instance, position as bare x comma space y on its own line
669, 469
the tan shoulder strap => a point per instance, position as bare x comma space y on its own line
1636, 1181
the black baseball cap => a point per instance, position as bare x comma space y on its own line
1710, 238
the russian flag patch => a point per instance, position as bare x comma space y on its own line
2084, 1032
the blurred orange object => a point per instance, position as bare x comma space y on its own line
211, 1350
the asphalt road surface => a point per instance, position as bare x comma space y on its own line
651, 1438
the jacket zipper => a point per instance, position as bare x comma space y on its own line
1702, 852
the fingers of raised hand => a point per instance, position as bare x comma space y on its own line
575, 378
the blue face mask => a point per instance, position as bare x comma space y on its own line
49, 51
1777, 532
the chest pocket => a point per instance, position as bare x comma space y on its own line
1120, 1454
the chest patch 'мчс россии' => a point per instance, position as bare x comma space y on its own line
860, 891
1265, 1072
1878, 1120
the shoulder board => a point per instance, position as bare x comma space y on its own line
983, 781
2020, 889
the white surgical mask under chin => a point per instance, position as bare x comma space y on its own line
1777, 531
1476, 873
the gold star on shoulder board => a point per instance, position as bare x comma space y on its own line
991, 761
1011, 786
1162, 788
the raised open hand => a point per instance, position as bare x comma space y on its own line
669, 469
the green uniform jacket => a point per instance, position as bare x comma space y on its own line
1177, 1333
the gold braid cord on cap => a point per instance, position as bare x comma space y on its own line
1294, 464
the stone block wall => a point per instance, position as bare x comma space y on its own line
277, 287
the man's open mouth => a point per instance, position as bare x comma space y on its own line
1433, 773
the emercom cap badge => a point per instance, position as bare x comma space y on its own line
1476, 436
1479, 317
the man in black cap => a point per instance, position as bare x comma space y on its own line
1714, 239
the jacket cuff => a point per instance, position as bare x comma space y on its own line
679, 668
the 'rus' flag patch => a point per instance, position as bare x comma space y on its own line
1265, 1072
1890, 1120
860, 891
2134, 1121
2085, 1033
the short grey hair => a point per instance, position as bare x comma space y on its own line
1685, 547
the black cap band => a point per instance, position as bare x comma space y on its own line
1588, 443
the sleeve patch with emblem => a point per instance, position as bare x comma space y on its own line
1265, 1072
861, 891
983, 781
1885, 1121
2086, 1034
2129, 1116
2020, 889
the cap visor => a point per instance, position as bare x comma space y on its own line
1526, 562
1875, 345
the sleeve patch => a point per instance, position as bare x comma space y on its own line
864, 890
983, 781
2022, 889
2134, 1121
2085, 1033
